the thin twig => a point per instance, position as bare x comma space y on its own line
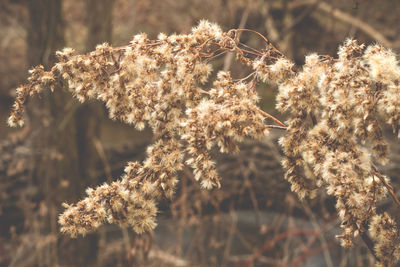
340, 15
299, 18
256, 32
249, 47
388, 186
312, 253
313, 119
245, 78
264, 38
370, 245
272, 117
231, 235
215, 55
100, 151
324, 243
277, 127
270, 243
242, 24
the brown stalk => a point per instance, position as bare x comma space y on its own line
270, 243
263, 37
277, 127
272, 118
388, 186
313, 119
370, 245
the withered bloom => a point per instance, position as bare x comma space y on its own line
333, 133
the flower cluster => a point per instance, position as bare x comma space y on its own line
387, 234
333, 106
158, 83
229, 115
131, 200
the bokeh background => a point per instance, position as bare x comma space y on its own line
253, 220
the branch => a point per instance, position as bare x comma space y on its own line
370, 245
340, 15
300, 17
277, 127
388, 187
242, 24
271, 243
272, 118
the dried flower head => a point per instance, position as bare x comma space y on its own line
333, 133
334, 128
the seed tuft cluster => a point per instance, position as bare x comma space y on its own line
333, 134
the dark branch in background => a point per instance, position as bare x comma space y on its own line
299, 18
340, 15
242, 24
370, 245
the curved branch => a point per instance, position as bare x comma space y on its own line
343, 16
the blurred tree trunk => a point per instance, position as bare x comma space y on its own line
287, 39
89, 116
99, 22
54, 143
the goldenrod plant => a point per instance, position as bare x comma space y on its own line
332, 138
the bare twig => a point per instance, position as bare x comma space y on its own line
277, 127
229, 57
100, 151
388, 186
270, 243
300, 17
327, 255
311, 253
231, 234
340, 15
270, 24
272, 118
313, 118
370, 245
167, 258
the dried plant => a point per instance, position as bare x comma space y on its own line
333, 134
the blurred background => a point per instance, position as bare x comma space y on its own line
253, 220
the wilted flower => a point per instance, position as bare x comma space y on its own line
333, 132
